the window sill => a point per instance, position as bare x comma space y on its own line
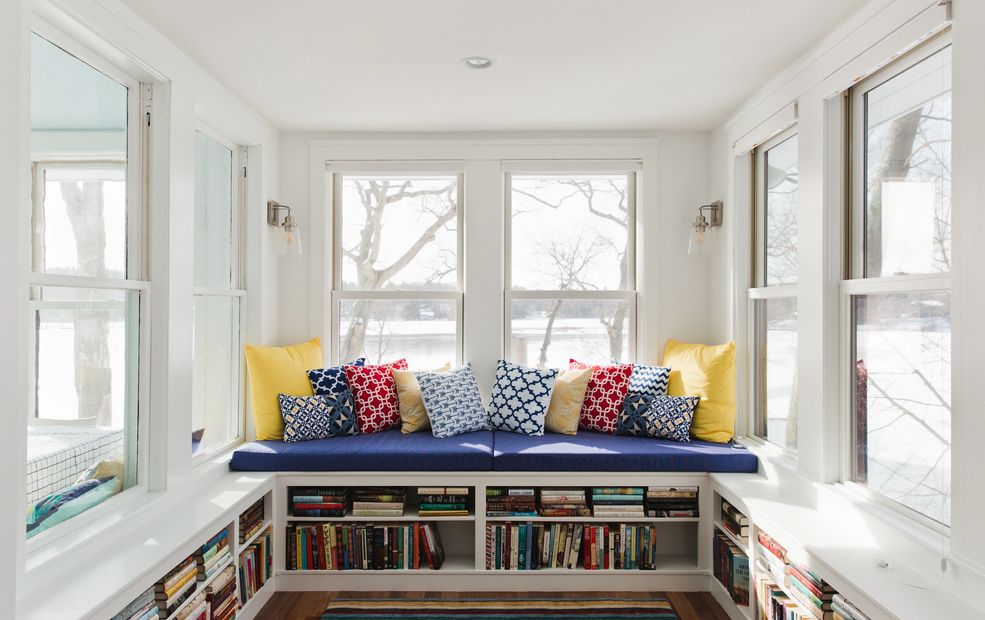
94, 571
843, 535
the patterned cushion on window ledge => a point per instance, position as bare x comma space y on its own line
520, 398
377, 406
453, 402
649, 380
331, 381
663, 417
604, 398
318, 417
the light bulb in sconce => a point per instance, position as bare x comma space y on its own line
699, 228
290, 234
290, 240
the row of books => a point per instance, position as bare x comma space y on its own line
256, 565
600, 502
730, 566
250, 521
177, 586
535, 546
364, 546
774, 604
221, 601
511, 502
735, 522
144, 607
618, 502
213, 555
443, 501
317, 501
671, 502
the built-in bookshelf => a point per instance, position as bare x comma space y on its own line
352, 529
779, 584
208, 583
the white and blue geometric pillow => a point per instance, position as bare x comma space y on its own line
649, 380
331, 381
318, 417
452, 401
663, 417
520, 398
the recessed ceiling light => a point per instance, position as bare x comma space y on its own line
477, 62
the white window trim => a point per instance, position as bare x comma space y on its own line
137, 398
856, 284
240, 166
631, 169
335, 171
760, 291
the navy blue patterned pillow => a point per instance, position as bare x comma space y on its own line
649, 380
520, 398
663, 417
331, 381
318, 417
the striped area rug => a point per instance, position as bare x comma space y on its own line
502, 609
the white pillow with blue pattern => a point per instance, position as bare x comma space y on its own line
453, 402
331, 381
662, 417
649, 380
319, 416
520, 398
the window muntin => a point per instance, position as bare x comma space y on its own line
897, 309
774, 297
88, 329
398, 267
571, 283
218, 297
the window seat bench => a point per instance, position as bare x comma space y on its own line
493, 451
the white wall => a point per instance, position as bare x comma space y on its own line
674, 295
810, 88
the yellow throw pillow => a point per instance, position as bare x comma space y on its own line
279, 370
566, 399
708, 372
413, 415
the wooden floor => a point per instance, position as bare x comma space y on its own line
310, 605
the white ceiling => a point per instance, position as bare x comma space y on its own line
392, 65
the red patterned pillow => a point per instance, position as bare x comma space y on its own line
603, 398
377, 406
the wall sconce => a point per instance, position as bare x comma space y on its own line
290, 238
701, 224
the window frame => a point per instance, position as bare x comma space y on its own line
630, 297
136, 279
237, 289
336, 171
854, 282
760, 292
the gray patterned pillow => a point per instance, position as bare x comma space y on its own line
453, 402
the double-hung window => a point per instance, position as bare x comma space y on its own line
897, 301
773, 297
570, 281
398, 267
218, 294
88, 287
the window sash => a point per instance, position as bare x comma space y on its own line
526, 169
857, 143
759, 219
338, 297
402, 170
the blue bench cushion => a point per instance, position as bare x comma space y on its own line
385, 451
588, 451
